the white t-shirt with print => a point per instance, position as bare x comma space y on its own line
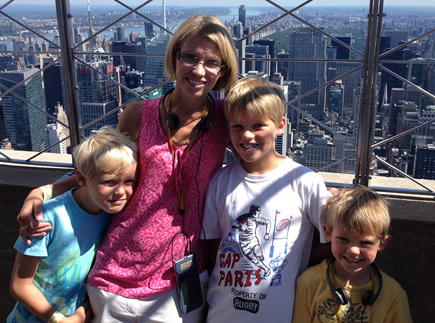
266, 223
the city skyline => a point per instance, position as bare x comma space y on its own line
251, 3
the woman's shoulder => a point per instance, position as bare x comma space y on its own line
130, 120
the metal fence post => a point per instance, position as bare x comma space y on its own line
69, 79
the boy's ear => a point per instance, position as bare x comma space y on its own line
81, 179
384, 244
327, 233
281, 126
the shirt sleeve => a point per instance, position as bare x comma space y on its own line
39, 245
210, 222
301, 310
399, 311
318, 198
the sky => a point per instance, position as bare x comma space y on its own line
233, 3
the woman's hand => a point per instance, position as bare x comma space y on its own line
30, 217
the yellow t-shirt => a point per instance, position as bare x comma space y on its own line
314, 301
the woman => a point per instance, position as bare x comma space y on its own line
181, 142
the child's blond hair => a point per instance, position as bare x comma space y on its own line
107, 151
255, 96
360, 211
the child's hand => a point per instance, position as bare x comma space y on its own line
31, 215
82, 315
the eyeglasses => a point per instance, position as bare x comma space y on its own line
191, 60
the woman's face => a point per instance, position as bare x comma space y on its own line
196, 80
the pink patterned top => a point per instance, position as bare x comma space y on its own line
135, 259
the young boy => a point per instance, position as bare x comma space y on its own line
351, 288
48, 278
261, 212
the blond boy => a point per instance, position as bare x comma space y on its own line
48, 278
351, 288
261, 212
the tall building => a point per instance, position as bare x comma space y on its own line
53, 86
344, 149
319, 154
396, 37
149, 33
350, 82
307, 43
271, 44
336, 98
238, 30
97, 94
135, 62
242, 15
241, 52
134, 79
120, 34
24, 125
89, 112
282, 66
132, 37
424, 166
281, 144
54, 136
408, 119
294, 90
154, 66
430, 85
261, 53
342, 52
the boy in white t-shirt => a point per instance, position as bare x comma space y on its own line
48, 278
260, 212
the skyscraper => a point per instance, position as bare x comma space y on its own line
24, 125
97, 94
261, 52
342, 52
135, 62
308, 44
271, 44
425, 162
53, 136
242, 15
148, 30
120, 35
154, 66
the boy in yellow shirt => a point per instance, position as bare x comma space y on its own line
351, 288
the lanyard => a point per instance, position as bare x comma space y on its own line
181, 160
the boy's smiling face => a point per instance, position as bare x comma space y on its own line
353, 254
253, 137
108, 192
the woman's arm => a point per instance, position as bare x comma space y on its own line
25, 292
31, 213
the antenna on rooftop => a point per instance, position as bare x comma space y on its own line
89, 20
164, 15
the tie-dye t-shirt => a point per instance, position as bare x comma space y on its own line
66, 255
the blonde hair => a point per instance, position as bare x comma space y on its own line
256, 96
213, 30
360, 211
107, 151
